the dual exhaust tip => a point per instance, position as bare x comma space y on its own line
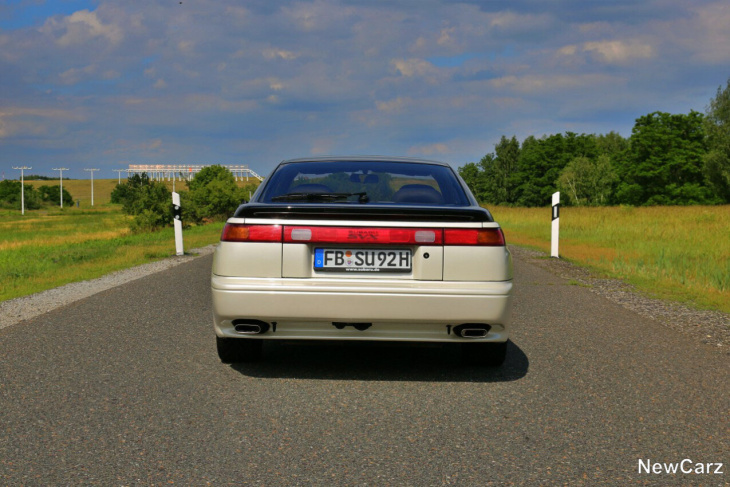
258, 327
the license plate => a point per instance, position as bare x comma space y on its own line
363, 260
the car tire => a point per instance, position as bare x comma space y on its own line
491, 354
237, 350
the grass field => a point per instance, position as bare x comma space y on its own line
46, 249
679, 253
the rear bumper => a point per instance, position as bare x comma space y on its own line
399, 310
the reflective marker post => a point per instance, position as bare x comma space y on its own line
556, 226
177, 222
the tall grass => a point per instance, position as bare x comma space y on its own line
45, 250
682, 253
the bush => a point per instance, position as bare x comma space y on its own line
213, 196
52, 195
149, 201
10, 195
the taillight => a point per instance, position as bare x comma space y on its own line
235, 232
492, 237
354, 235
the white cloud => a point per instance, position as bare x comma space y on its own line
413, 67
273, 53
81, 27
395, 105
619, 52
550, 83
74, 75
706, 33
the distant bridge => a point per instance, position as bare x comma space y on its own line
180, 172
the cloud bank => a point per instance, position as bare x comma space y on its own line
202, 81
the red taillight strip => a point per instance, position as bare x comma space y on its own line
490, 237
363, 236
236, 232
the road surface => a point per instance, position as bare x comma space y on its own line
125, 388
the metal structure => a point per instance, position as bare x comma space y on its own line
22, 187
180, 172
92, 183
119, 174
61, 181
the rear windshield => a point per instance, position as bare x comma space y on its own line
358, 182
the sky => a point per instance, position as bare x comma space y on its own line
104, 84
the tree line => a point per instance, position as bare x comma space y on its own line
212, 195
35, 198
669, 159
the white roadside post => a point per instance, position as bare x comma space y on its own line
556, 226
22, 188
177, 222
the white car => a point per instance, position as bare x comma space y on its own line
366, 248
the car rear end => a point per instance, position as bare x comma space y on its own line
401, 263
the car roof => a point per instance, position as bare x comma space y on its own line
365, 159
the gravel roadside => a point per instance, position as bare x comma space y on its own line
16, 310
709, 327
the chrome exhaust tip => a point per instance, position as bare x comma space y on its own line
250, 327
473, 333
472, 330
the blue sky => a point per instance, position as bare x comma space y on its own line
105, 84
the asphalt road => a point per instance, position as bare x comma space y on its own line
125, 388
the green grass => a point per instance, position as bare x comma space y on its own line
678, 253
43, 249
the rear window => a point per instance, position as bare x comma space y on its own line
362, 182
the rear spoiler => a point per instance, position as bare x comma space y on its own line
364, 212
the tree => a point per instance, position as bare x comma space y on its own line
149, 201
52, 195
504, 167
471, 175
213, 195
10, 195
588, 181
716, 163
541, 162
663, 165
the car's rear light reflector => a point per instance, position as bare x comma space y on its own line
363, 236
301, 234
477, 236
425, 236
235, 232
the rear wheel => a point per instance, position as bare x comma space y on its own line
490, 353
235, 350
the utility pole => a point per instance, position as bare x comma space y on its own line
92, 183
61, 180
119, 174
22, 188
